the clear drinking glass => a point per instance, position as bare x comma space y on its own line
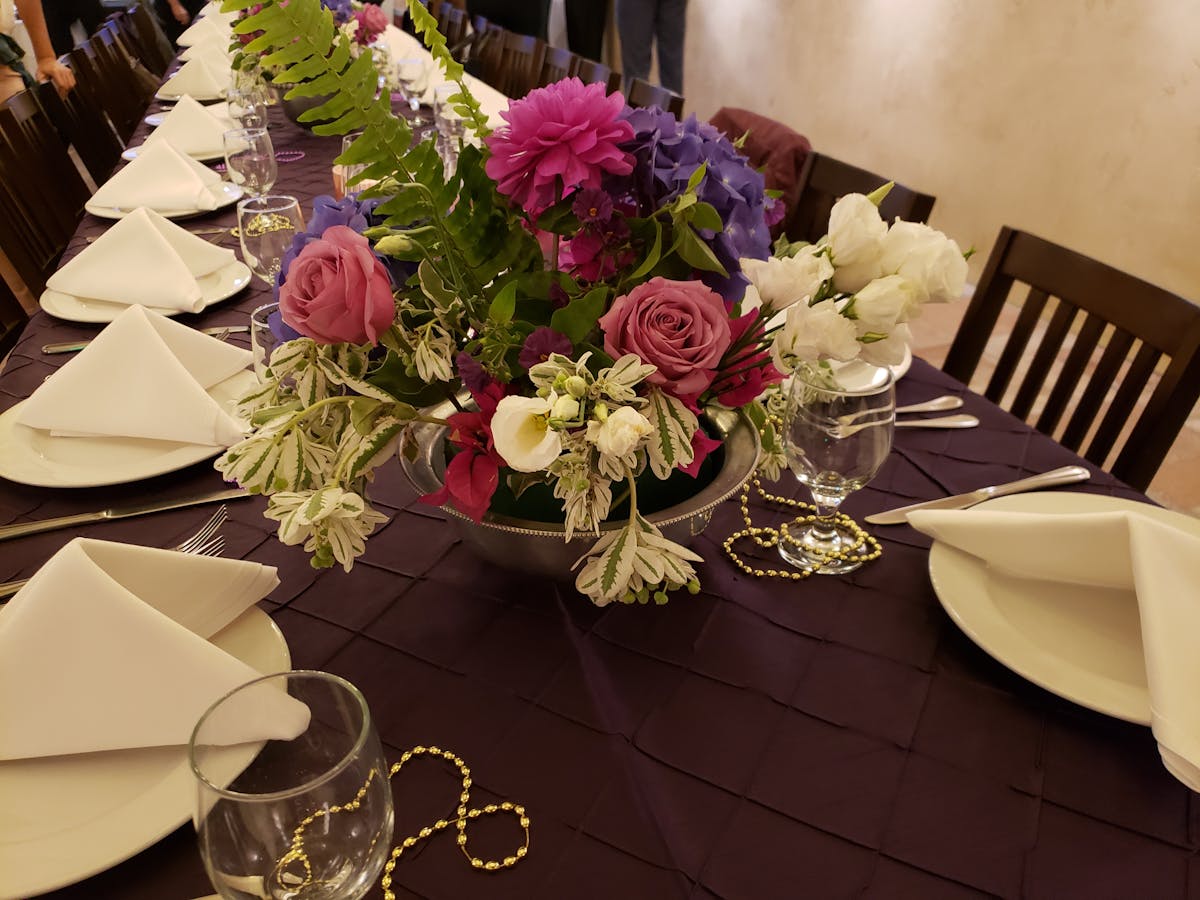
837, 435
307, 819
250, 160
247, 105
266, 226
449, 123
342, 174
409, 73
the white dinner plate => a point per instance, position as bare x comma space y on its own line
33, 456
66, 818
131, 153
199, 98
215, 287
858, 375
226, 193
1081, 643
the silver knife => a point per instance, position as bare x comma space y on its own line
72, 346
1065, 475
8, 532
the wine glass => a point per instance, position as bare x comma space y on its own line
409, 73
250, 159
307, 818
343, 174
247, 104
263, 339
266, 226
837, 434
449, 123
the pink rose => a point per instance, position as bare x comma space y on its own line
679, 326
337, 290
372, 22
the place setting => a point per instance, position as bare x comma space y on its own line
191, 128
166, 180
200, 78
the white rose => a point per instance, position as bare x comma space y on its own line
621, 432
855, 231
882, 304
929, 260
890, 351
783, 282
522, 435
813, 333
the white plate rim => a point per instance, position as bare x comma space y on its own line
130, 154
230, 194
71, 308
16, 446
954, 574
95, 846
199, 98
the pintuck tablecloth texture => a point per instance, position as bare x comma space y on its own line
837, 737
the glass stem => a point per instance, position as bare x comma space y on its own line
822, 532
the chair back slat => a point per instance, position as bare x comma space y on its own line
557, 63
154, 50
591, 72
12, 319
520, 62
642, 94
1127, 353
84, 127
825, 179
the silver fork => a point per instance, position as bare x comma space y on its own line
205, 542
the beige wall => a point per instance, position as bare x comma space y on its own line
1078, 120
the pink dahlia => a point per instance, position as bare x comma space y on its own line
558, 138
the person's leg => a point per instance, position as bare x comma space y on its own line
635, 23
669, 27
59, 16
91, 15
585, 27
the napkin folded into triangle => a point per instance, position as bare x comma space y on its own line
204, 28
143, 376
214, 49
192, 129
107, 648
1131, 551
214, 10
161, 178
143, 259
198, 77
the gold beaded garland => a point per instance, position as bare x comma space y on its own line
865, 548
291, 880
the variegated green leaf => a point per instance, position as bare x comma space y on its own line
376, 447
670, 443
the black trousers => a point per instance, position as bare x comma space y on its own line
586, 20
61, 14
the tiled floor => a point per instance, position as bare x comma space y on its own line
1177, 484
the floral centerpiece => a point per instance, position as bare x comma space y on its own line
587, 283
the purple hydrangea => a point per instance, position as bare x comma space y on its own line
667, 154
343, 10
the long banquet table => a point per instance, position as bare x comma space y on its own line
828, 738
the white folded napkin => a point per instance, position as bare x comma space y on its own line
214, 10
192, 129
204, 28
401, 44
107, 648
1122, 550
161, 178
144, 376
143, 259
214, 50
200, 78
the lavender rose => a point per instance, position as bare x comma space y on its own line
337, 290
679, 326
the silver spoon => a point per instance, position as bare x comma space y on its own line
962, 420
945, 403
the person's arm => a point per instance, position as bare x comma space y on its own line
48, 66
179, 12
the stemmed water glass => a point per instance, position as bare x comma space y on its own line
248, 105
266, 226
250, 160
409, 72
307, 818
837, 434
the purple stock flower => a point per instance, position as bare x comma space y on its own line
540, 344
474, 376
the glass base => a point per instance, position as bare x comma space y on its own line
832, 550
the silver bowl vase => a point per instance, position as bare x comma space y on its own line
296, 106
538, 548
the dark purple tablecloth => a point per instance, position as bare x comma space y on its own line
832, 738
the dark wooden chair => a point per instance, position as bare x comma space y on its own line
591, 72
557, 63
108, 83
452, 23
643, 93
84, 127
1117, 361
152, 46
44, 191
482, 51
825, 179
12, 320
514, 70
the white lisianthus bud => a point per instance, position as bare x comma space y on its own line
927, 259
783, 282
813, 333
565, 407
855, 231
522, 435
882, 304
620, 433
576, 386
